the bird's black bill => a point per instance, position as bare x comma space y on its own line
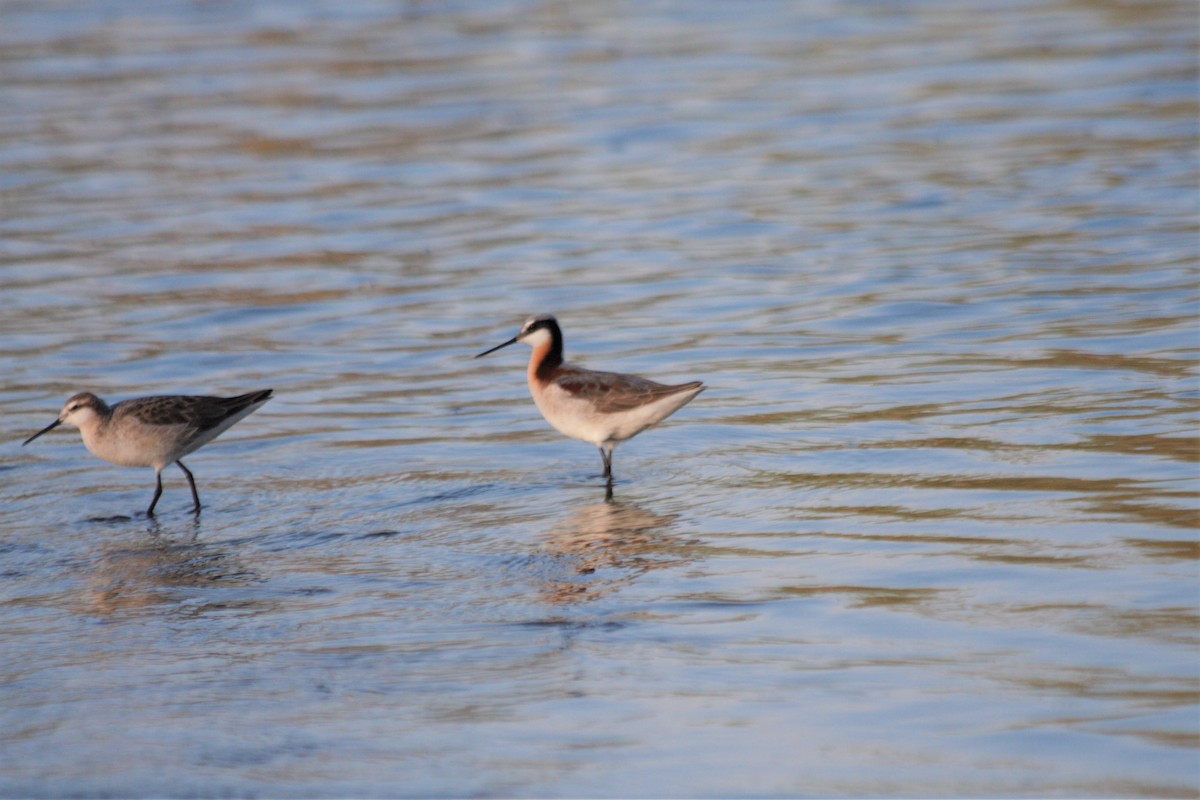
513, 340
46, 429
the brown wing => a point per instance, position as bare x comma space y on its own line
200, 413
167, 410
613, 392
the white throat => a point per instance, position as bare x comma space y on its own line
538, 338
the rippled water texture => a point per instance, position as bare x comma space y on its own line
931, 530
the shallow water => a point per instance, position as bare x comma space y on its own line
931, 530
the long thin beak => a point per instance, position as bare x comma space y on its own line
513, 340
46, 429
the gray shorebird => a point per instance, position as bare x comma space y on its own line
153, 431
603, 408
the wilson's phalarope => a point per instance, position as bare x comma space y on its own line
598, 407
153, 431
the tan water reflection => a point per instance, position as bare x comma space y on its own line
157, 576
606, 546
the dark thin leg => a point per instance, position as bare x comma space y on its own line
607, 456
192, 483
157, 493
608, 482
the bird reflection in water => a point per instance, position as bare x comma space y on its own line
602, 547
163, 571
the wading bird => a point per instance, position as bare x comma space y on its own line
603, 408
154, 431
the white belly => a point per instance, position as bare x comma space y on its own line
134, 444
572, 415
